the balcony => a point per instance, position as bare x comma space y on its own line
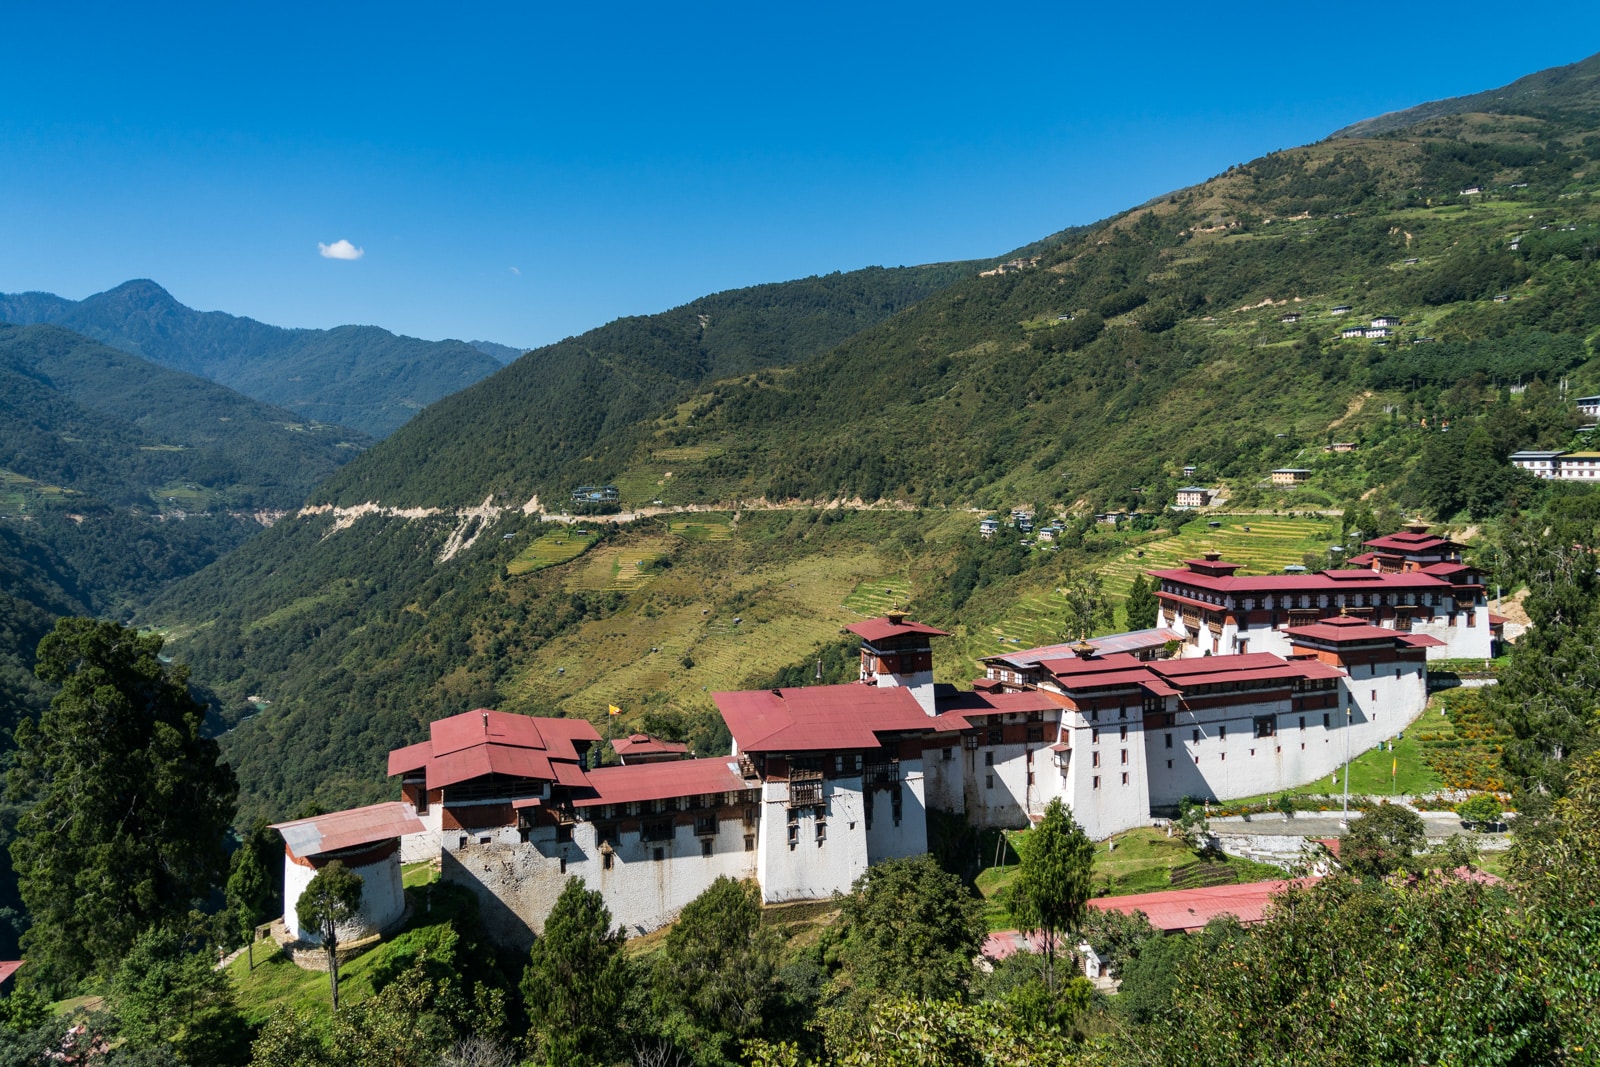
882, 774
805, 788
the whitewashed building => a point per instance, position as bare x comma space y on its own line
367, 841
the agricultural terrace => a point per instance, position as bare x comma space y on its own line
557, 547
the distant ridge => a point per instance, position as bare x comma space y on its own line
503, 353
358, 376
1543, 94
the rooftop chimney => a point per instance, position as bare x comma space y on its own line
485, 722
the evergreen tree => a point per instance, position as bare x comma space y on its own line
255, 888
576, 980
130, 803
714, 980
911, 930
1141, 605
331, 898
168, 995
1054, 880
1383, 840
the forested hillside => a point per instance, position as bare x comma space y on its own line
135, 475
1080, 376
565, 414
358, 376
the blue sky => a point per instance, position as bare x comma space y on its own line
519, 172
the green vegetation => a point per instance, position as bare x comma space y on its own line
558, 546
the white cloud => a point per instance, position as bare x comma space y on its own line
515, 271
340, 249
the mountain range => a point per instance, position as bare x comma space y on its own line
358, 376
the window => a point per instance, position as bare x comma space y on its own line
1169, 765
988, 759
1094, 714
988, 781
1222, 733
1122, 713
1224, 755
1266, 725
483, 839
822, 831
1095, 759
1169, 740
705, 825
1030, 777
658, 854
1324, 720
705, 847
1302, 722
656, 830
947, 754
969, 741
1094, 735
1124, 757
1124, 736
1124, 777
996, 735
606, 860
1036, 733
563, 863
749, 843
1097, 781
794, 834
1374, 694
463, 842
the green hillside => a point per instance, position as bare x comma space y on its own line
1080, 377
358, 376
562, 415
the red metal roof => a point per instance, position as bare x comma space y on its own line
1409, 542
347, 829
1240, 584
1423, 641
660, 781
481, 742
882, 629
819, 718
1190, 909
9, 968
1342, 630
1108, 645
644, 744
470, 763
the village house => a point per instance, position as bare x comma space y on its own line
1558, 465
1193, 496
1341, 446
1352, 332
1290, 475
1589, 405
1386, 320
1342, 309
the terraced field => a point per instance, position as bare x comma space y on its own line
701, 529
559, 546
879, 596
1263, 543
619, 568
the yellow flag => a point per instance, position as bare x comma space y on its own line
1395, 768
614, 710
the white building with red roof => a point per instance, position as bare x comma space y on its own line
367, 841
1413, 584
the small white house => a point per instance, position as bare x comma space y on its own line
1193, 496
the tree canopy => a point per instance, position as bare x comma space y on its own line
331, 899
576, 980
130, 803
1054, 880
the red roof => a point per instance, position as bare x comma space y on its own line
1422, 641
1497, 620
644, 744
1408, 541
483, 742
1324, 582
1341, 630
819, 718
882, 629
8, 968
340, 830
1190, 909
659, 781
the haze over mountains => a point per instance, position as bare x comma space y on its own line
363, 377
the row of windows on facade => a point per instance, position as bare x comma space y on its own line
1288, 602
608, 856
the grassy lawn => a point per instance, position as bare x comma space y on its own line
1145, 860
558, 546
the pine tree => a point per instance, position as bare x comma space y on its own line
130, 804
576, 979
1053, 881
1141, 605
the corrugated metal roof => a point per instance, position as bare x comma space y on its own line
819, 718
661, 781
1294, 583
482, 760
340, 830
1342, 630
481, 742
1185, 910
642, 744
9, 968
882, 629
